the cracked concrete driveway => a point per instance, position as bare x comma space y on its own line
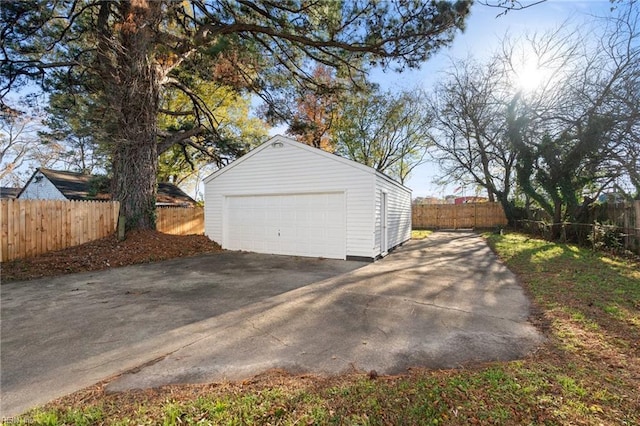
440, 302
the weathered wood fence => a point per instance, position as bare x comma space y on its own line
456, 216
180, 221
33, 227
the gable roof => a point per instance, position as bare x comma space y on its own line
80, 186
74, 186
311, 149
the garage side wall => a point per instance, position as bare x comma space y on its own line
289, 169
398, 214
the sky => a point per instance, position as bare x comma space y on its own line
482, 37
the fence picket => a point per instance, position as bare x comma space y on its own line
11, 225
32, 227
22, 231
180, 220
455, 216
4, 230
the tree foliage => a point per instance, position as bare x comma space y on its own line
132, 54
317, 110
562, 139
569, 135
384, 130
68, 123
235, 129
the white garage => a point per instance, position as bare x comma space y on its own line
285, 197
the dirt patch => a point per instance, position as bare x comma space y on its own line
138, 247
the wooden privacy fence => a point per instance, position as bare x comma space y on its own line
180, 220
33, 227
456, 216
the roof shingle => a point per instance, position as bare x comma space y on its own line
79, 186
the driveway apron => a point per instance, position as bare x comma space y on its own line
442, 302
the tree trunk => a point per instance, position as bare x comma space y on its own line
134, 99
507, 206
135, 164
556, 226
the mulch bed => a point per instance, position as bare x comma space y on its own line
138, 247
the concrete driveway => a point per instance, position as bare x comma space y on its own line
440, 302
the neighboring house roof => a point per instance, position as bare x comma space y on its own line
169, 194
80, 186
9, 192
74, 186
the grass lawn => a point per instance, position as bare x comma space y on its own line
588, 373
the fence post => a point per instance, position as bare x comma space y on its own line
636, 205
121, 227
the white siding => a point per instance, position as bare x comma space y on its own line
41, 188
398, 213
295, 169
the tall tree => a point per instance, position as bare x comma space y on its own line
386, 131
469, 105
622, 52
129, 52
569, 134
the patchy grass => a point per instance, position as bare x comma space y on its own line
420, 234
587, 374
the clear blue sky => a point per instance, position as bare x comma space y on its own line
482, 37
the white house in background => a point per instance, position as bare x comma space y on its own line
47, 184
285, 197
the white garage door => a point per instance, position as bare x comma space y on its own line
293, 224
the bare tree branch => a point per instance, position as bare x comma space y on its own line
508, 5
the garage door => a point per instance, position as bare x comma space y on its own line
292, 224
